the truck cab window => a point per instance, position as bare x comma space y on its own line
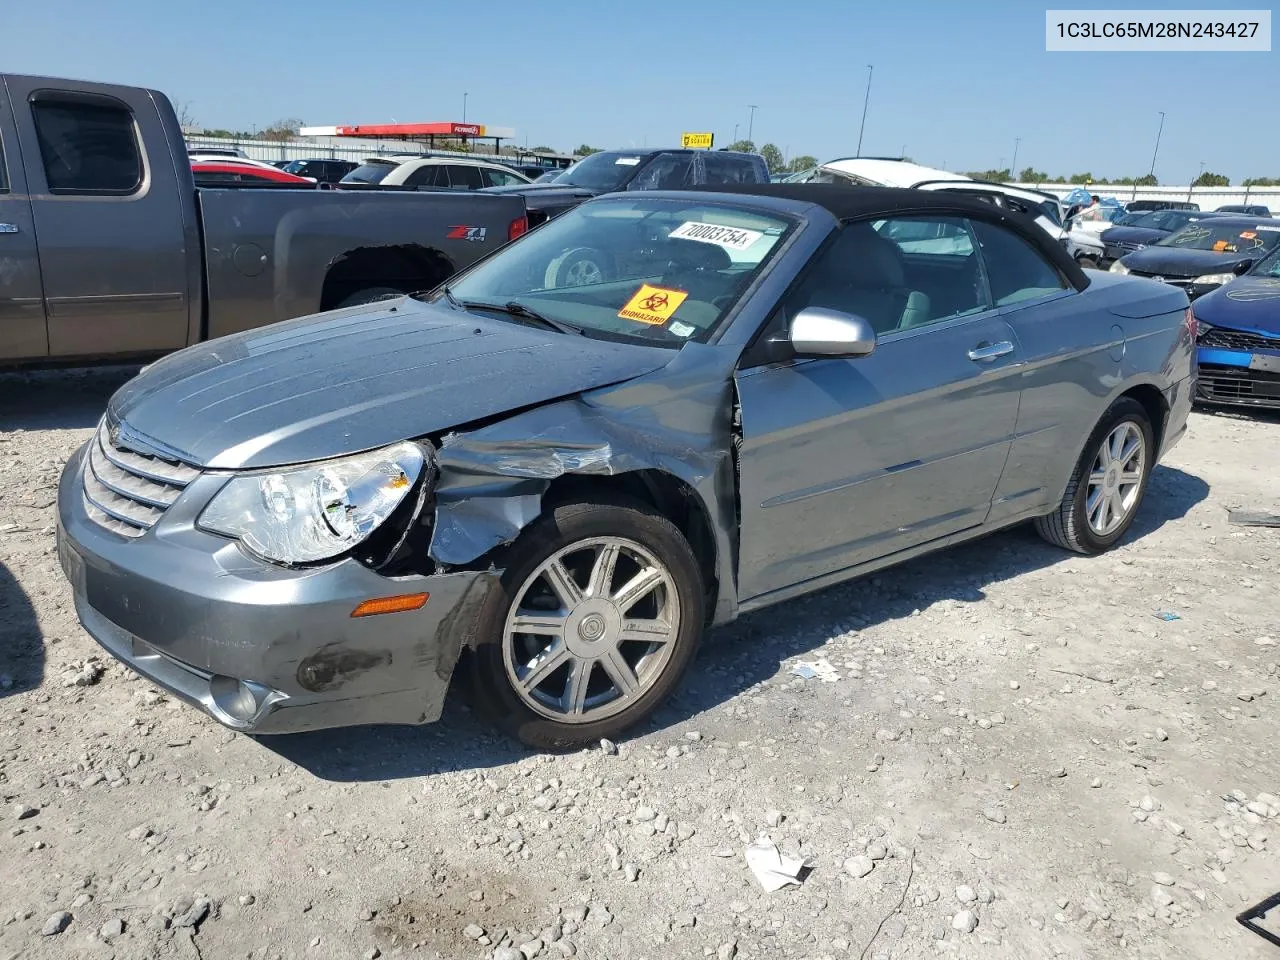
87, 148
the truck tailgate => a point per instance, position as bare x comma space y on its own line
269, 254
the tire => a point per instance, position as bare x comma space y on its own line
1087, 263
578, 267
1074, 526
369, 295
576, 647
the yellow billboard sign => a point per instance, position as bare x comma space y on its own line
698, 140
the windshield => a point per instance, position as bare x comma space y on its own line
369, 173
1268, 266
602, 171
293, 166
1159, 219
653, 270
1203, 235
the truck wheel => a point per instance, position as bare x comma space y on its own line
1108, 483
369, 295
578, 267
598, 613
1087, 263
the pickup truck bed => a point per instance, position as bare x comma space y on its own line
108, 251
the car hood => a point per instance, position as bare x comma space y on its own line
1247, 303
1175, 262
1133, 235
352, 380
542, 189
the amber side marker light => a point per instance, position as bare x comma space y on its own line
408, 601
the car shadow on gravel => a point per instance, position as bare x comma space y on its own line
21, 646
735, 657
63, 399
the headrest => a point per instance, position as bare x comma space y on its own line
868, 260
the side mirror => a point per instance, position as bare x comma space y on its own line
819, 332
1243, 267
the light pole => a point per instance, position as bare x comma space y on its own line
865, 100
1157, 149
735, 133
751, 120
464, 108
1013, 167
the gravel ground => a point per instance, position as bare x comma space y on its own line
1010, 755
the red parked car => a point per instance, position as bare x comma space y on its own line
218, 173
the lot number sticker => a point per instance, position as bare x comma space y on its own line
653, 305
732, 238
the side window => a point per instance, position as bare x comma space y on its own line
499, 178
87, 148
721, 169
663, 172
464, 178
869, 270
431, 175
1015, 269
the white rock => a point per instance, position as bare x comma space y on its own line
966, 893
965, 921
1163, 879
859, 866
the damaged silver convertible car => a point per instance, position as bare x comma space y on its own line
647, 416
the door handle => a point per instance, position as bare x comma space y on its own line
8, 228
985, 352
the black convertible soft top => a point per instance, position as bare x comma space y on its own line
846, 202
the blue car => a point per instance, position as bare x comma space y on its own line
1239, 339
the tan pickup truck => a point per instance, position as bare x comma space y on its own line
109, 251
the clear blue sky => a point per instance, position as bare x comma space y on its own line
954, 82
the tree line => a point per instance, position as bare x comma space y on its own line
1031, 175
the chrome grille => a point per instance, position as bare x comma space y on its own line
126, 491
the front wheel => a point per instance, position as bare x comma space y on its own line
1087, 263
599, 612
1108, 483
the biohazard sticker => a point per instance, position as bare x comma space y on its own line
653, 305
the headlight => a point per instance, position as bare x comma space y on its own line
1216, 279
318, 511
1118, 267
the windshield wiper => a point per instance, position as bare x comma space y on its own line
453, 301
515, 308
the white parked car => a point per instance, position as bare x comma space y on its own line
1044, 208
438, 172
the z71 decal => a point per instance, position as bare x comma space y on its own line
463, 232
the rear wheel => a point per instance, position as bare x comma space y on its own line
579, 267
1108, 483
369, 295
599, 613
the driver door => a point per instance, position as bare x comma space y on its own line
846, 461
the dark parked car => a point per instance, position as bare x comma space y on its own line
1146, 206
612, 170
322, 171
305, 526
1204, 255
1239, 339
1249, 209
1133, 232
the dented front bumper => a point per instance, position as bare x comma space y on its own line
262, 648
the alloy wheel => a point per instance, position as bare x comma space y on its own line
591, 630
1115, 481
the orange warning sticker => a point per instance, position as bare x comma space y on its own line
653, 305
